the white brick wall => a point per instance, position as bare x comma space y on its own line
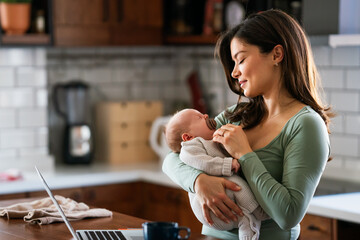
340, 72
23, 109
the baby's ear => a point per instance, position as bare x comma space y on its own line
186, 137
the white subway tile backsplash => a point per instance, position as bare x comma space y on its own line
216, 99
16, 97
7, 76
161, 74
33, 117
97, 75
39, 55
336, 162
169, 91
16, 57
33, 152
17, 138
41, 137
353, 79
332, 78
337, 124
113, 92
7, 118
344, 145
5, 154
345, 101
322, 55
345, 56
23, 83
231, 97
66, 74
184, 89
145, 91
140, 63
41, 97
352, 164
352, 123
31, 76
123, 75
184, 70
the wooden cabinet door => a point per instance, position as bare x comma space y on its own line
124, 198
169, 204
81, 22
12, 196
318, 228
107, 22
136, 22
73, 193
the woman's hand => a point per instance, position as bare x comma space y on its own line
211, 194
234, 140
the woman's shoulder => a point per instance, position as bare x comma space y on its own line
307, 119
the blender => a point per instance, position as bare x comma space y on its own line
72, 104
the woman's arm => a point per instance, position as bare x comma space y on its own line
179, 172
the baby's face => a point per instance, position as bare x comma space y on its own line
199, 124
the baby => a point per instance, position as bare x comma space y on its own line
189, 133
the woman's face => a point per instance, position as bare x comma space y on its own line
253, 69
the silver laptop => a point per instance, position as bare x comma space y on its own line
136, 234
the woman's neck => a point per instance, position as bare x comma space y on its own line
279, 104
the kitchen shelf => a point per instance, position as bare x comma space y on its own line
190, 39
26, 39
343, 40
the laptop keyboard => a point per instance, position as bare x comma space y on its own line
103, 235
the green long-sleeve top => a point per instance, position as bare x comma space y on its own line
283, 175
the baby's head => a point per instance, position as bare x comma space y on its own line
186, 125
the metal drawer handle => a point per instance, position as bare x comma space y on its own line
314, 228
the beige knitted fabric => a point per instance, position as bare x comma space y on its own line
43, 211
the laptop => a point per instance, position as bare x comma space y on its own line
129, 234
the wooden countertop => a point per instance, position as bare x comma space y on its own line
17, 229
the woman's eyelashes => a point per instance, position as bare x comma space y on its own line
241, 61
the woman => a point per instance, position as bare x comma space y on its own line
279, 136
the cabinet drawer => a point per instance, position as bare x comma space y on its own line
131, 111
318, 228
129, 131
130, 152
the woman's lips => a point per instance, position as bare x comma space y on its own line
241, 83
211, 123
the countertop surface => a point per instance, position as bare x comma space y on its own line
339, 206
339, 200
87, 175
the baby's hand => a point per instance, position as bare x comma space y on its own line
235, 166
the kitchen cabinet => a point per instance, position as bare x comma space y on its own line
315, 227
39, 32
169, 204
73, 193
124, 198
107, 22
318, 228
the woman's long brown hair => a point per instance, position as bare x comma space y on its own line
299, 74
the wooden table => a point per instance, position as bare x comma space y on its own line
17, 229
